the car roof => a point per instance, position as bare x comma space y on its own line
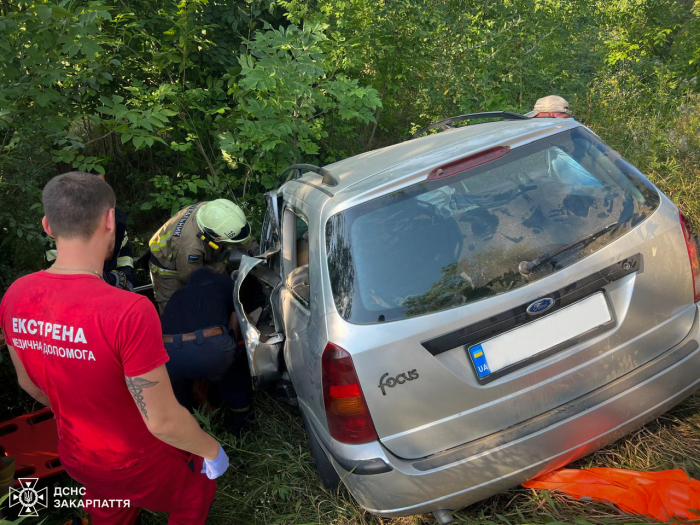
402, 159
375, 173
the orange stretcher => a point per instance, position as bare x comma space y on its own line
663, 495
32, 439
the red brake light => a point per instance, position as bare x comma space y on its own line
472, 161
346, 410
692, 246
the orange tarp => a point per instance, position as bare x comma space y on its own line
663, 495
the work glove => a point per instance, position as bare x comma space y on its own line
234, 256
118, 279
214, 468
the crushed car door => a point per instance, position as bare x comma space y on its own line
256, 301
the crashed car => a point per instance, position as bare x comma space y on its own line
460, 312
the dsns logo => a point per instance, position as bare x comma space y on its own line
28, 497
391, 382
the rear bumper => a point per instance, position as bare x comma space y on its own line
477, 470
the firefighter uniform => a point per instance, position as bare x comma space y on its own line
198, 236
176, 251
119, 269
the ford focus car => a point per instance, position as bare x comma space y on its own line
460, 312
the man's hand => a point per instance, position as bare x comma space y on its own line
216, 467
233, 257
166, 418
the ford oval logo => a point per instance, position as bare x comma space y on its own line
540, 306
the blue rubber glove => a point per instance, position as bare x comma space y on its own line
214, 468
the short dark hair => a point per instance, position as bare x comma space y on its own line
74, 203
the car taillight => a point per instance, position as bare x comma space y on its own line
346, 410
467, 163
692, 244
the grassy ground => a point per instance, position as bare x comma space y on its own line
273, 479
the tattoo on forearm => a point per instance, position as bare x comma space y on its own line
136, 386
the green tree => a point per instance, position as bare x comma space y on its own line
175, 101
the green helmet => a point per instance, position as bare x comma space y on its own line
224, 221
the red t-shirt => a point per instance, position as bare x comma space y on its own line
77, 338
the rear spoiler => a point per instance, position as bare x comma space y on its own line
445, 124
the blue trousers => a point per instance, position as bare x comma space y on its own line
216, 359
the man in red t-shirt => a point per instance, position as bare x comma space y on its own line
122, 434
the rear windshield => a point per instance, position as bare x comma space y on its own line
445, 243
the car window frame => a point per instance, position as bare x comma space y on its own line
298, 214
267, 243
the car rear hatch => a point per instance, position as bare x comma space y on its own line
505, 285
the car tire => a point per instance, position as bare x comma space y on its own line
329, 477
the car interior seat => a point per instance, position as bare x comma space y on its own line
303, 251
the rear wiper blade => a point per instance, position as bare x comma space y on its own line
526, 267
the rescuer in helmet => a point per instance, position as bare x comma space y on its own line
200, 235
551, 106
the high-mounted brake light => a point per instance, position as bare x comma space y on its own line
467, 163
348, 417
691, 244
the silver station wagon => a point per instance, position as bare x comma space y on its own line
460, 312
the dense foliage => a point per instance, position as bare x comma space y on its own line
180, 100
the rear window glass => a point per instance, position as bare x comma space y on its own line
445, 243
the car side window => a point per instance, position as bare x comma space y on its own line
295, 255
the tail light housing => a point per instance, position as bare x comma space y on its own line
692, 246
467, 163
347, 414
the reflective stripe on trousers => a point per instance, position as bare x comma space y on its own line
163, 271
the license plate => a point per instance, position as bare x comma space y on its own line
521, 344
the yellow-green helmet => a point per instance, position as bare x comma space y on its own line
224, 221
